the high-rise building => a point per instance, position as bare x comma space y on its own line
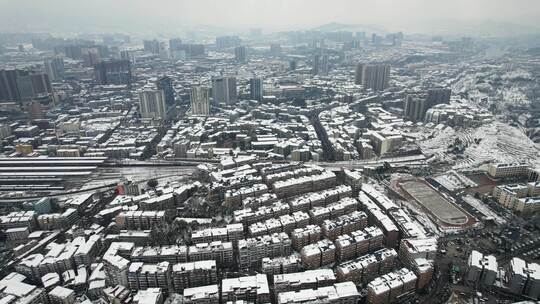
373, 76
35, 110
194, 50
323, 67
8, 85
292, 65
224, 42
54, 67
152, 104
256, 88
200, 104
73, 51
233, 93
91, 56
17, 85
316, 64
415, 107
175, 44
240, 53
224, 90
220, 90
41, 83
113, 72
358, 73
151, 46
165, 84
437, 96
126, 55
275, 49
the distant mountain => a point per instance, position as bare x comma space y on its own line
446, 27
335, 26
487, 28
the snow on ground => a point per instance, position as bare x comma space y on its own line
500, 143
484, 209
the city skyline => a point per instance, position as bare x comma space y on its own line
168, 16
269, 152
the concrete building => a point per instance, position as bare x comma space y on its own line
149, 296
224, 90
140, 220
199, 101
193, 274
437, 96
419, 255
113, 72
240, 54
318, 254
373, 76
208, 294
152, 104
303, 280
358, 242
115, 265
54, 67
304, 236
14, 290
523, 278
253, 289
142, 276
507, 170
252, 250
367, 267
342, 293
390, 287
279, 265
356, 220
229, 233
415, 107
221, 252
61, 295
150, 254
165, 84
256, 88
482, 270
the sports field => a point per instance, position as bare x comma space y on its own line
445, 211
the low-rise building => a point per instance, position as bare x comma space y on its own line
339, 293
389, 288
253, 289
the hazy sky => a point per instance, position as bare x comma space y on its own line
172, 15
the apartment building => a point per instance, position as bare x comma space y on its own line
318, 254
279, 265
367, 267
193, 274
252, 250
389, 288
142, 276
208, 294
419, 256
252, 289
339, 293
308, 279
221, 252
358, 242
344, 224
304, 236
